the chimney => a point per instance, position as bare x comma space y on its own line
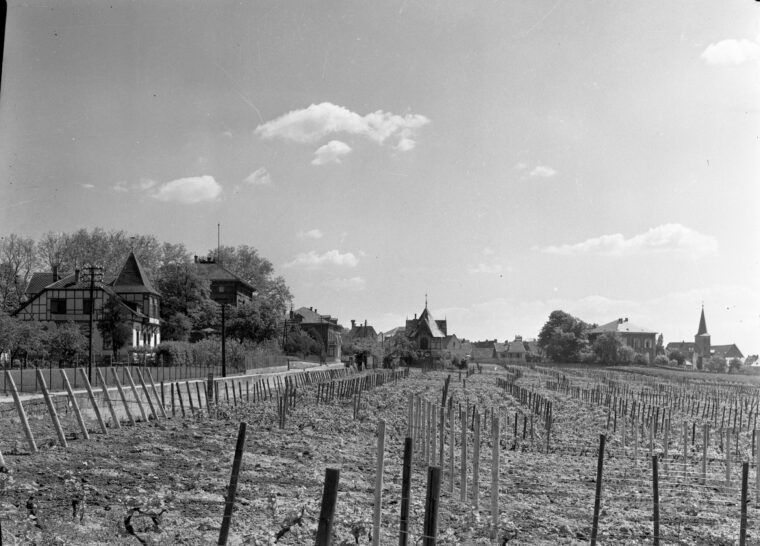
415, 316
196, 258
365, 324
353, 324
620, 321
76, 275
626, 319
310, 309
55, 273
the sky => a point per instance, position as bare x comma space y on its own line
502, 159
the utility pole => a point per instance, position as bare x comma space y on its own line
92, 310
224, 344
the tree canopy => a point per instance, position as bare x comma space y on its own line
563, 337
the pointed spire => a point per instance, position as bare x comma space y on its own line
702, 324
425, 300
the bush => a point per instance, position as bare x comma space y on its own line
625, 354
640, 360
673, 363
662, 360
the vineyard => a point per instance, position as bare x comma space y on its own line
520, 455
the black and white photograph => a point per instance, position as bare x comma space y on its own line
379, 272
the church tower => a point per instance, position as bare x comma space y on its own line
701, 342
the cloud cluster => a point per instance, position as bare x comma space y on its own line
667, 238
311, 234
542, 171
330, 152
259, 177
352, 284
191, 190
732, 52
313, 260
317, 121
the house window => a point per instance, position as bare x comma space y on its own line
58, 306
647, 343
87, 306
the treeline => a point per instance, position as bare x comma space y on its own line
564, 338
186, 307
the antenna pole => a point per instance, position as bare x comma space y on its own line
218, 242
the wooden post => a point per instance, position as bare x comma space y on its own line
727, 447
476, 463
451, 449
179, 398
406, 486
494, 476
442, 437
705, 441
128, 375
598, 496
232, 489
432, 500
656, 499
745, 500
93, 402
757, 468
51, 409
106, 396
190, 398
198, 395
147, 394
327, 511
378, 482
2, 465
74, 404
159, 400
21, 413
463, 458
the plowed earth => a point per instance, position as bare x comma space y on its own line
172, 477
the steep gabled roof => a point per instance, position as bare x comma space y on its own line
38, 282
133, 279
212, 271
427, 321
702, 324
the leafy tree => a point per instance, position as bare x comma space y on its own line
30, 339
562, 337
115, 325
184, 295
606, 347
660, 348
67, 342
176, 327
298, 341
256, 321
17, 260
52, 250
734, 365
401, 349
715, 364
678, 356
625, 354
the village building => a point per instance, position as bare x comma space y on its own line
324, 328
427, 334
227, 288
701, 349
641, 340
75, 297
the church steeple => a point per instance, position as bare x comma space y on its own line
702, 324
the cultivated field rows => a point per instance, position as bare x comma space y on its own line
179, 468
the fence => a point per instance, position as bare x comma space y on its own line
26, 380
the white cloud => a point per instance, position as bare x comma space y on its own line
88, 186
311, 124
485, 268
191, 190
330, 152
259, 177
542, 171
667, 238
311, 234
312, 260
143, 185
731, 52
353, 284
